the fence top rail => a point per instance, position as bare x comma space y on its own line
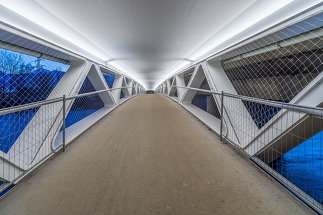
29, 106
200, 90
95, 92
296, 107
51, 101
317, 111
302, 108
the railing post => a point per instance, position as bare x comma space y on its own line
221, 125
64, 122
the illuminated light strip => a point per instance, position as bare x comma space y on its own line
249, 21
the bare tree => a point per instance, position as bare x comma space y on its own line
10, 63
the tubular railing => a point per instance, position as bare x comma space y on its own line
284, 139
31, 131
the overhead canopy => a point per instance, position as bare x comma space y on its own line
151, 39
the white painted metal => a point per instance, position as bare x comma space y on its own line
117, 84
195, 82
180, 83
125, 90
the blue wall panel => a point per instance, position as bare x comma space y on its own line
23, 79
109, 79
84, 106
303, 166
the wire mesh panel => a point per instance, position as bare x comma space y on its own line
26, 79
277, 67
31, 73
261, 113
84, 106
32, 140
23, 79
302, 165
290, 148
12, 125
269, 76
205, 101
297, 155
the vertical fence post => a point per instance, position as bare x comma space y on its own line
221, 125
64, 122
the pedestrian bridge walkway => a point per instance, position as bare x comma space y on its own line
149, 156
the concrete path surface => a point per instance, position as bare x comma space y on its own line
148, 157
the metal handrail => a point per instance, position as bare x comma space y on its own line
29, 106
95, 92
199, 90
51, 101
316, 111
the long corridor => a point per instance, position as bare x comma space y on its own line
149, 156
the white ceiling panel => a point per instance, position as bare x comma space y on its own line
147, 38
142, 34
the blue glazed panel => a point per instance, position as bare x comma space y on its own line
200, 101
109, 79
261, 113
303, 166
23, 79
3, 192
84, 106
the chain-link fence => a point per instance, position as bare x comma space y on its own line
34, 75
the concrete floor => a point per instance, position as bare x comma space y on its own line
149, 156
